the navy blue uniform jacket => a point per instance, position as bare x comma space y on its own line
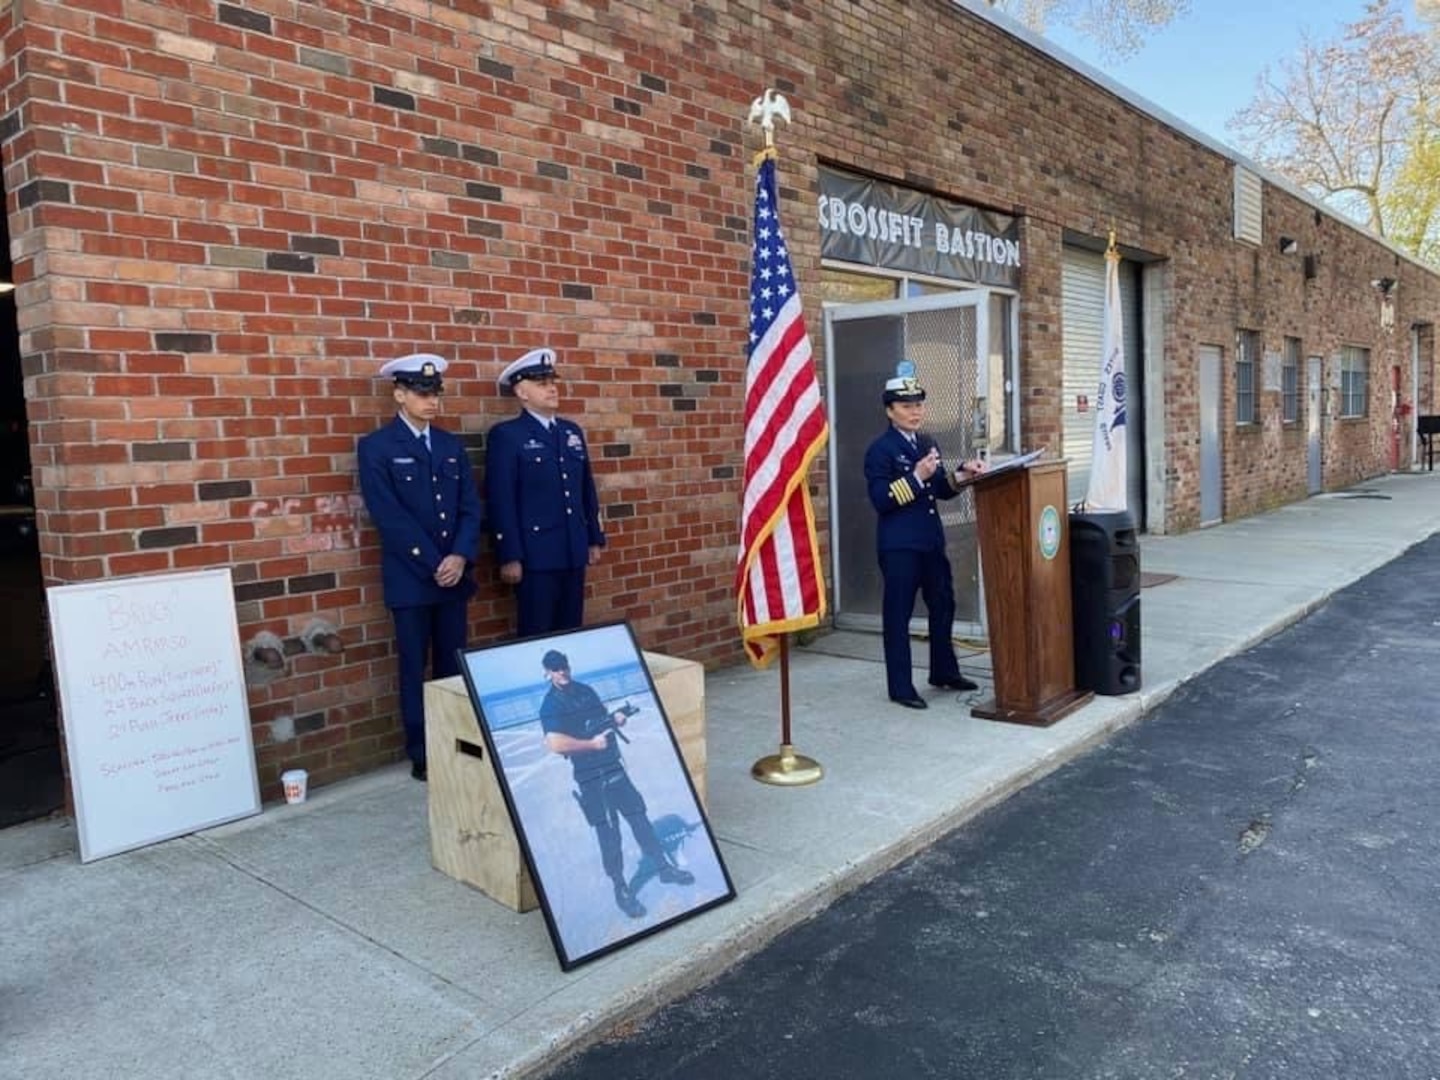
540, 494
909, 519
425, 506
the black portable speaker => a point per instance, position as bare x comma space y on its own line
1105, 595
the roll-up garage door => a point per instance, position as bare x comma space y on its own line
1083, 315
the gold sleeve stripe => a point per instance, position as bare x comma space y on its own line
902, 492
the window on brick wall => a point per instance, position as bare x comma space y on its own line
1290, 382
1354, 381
1247, 356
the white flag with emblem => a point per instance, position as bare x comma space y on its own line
1107, 461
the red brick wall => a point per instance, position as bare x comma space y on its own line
226, 216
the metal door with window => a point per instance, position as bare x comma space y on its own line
1409, 420
1314, 415
945, 335
32, 783
1212, 479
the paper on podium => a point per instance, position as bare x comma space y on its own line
1019, 461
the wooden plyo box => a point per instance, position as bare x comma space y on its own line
471, 837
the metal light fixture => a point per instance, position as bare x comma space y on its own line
1289, 245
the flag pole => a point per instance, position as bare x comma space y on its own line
787, 768
1106, 489
1112, 255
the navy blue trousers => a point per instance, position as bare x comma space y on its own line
426, 636
905, 573
549, 600
605, 800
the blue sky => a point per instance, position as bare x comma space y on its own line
1203, 67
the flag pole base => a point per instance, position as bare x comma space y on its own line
787, 768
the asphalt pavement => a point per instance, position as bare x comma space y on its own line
318, 938
1243, 886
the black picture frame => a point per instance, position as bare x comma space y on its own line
567, 807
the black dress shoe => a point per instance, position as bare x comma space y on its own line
673, 875
910, 702
959, 682
626, 902
417, 771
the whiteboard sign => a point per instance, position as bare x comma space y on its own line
157, 727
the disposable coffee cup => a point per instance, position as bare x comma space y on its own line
294, 781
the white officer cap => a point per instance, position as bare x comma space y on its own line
418, 371
535, 364
904, 386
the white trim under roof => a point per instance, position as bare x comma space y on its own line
1024, 34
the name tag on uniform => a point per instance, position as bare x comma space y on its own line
533, 444
404, 460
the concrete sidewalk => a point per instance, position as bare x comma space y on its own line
317, 940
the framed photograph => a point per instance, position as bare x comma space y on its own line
614, 836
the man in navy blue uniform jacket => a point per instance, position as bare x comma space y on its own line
540, 493
420, 493
904, 476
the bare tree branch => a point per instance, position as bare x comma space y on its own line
1354, 122
1117, 26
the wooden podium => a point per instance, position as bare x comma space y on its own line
1025, 562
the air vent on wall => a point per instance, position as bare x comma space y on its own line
1248, 208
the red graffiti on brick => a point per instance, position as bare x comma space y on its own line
324, 522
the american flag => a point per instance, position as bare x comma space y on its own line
778, 580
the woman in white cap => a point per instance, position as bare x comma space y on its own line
904, 475
544, 512
420, 493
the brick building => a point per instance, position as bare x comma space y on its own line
223, 216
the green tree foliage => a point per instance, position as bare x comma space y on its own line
1411, 206
1117, 26
1356, 122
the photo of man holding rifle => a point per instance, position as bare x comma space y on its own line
577, 725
